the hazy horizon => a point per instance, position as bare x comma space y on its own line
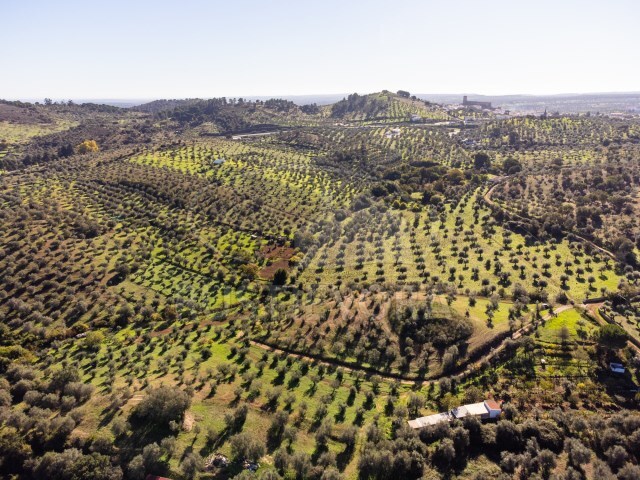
330, 97
150, 50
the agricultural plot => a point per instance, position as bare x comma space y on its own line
567, 326
16, 134
405, 332
293, 299
462, 247
233, 386
387, 146
596, 213
283, 187
553, 132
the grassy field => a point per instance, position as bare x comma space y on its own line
569, 323
15, 133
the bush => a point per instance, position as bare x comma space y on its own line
61, 378
245, 446
508, 436
445, 454
161, 406
72, 464
547, 433
629, 472
88, 146
612, 336
191, 465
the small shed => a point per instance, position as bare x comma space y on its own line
493, 407
473, 409
430, 420
219, 161
616, 367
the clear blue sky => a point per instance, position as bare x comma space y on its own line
188, 48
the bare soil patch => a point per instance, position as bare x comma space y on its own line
279, 257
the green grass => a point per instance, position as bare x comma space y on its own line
572, 320
141, 365
21, 133
392, 240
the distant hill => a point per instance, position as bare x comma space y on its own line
224, 115
385, 105
320, 99
563, 103
157, 106
233, 116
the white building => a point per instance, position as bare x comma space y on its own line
484, 410
616, 367
430, 420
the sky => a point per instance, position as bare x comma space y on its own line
145, 49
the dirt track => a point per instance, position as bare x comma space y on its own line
404, 379
487, 198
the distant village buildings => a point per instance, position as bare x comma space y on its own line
473, 103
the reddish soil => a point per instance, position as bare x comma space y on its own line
275, 251
270, 271
280, 259
159, 333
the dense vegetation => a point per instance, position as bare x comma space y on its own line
286, 286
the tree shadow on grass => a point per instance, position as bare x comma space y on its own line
279, 380
311, 391
143, 434
319, 450
344, 458
107, 417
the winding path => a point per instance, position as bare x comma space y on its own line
490, 202
403, 378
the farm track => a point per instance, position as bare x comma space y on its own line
470, 368
490, 202
594, 312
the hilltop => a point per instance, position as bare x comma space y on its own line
385, 106
238, 115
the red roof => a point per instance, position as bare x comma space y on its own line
492, 404
155, 477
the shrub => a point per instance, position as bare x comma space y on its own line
612, 336
88, 146
161, 406
280, 277
246, 446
